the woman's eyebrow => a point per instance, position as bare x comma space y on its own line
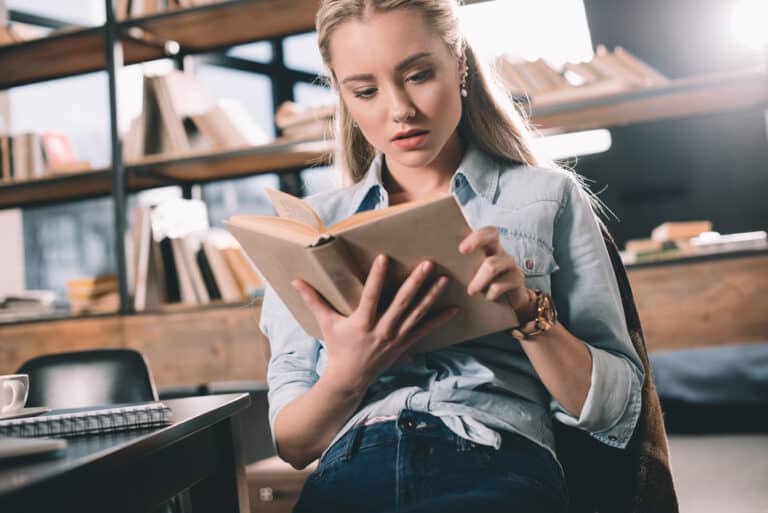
403, 64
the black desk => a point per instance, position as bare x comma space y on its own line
133, 471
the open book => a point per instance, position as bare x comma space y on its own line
336, 259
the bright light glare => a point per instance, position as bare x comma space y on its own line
576, 144
555, 30
749, 21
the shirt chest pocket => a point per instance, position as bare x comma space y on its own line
532, 257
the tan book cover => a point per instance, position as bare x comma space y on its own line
186, 287
640, 68
674, 230
607, 63
514, 80
336, 259
548, 76
242, 269
225, 280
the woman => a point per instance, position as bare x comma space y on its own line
469, 425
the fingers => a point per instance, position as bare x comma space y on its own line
490, 270
429, 324
319, 307
406, 293
420, 310
371, 295
486, 238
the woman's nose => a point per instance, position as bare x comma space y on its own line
402, 107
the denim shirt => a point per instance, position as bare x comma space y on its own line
478, 387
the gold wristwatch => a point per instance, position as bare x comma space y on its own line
546, 318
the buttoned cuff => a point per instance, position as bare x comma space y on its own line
612, 406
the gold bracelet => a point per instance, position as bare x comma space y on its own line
546, 318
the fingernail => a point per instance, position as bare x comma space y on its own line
295, 284
425, 267
381, 260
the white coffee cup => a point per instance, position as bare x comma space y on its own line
13, 392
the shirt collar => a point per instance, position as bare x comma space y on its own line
478, 168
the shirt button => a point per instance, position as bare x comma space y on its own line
529, 264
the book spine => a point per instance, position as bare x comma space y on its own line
334, 262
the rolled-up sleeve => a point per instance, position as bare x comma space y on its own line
589, 306
292, 369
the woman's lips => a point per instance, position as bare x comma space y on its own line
411, 142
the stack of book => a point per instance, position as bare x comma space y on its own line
30, 155
607, 73
298, 123
136, 8
99, 294
174, 257
689, 238
179, 117
27, 304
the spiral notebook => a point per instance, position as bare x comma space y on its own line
83, 421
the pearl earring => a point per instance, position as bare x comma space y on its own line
463, 90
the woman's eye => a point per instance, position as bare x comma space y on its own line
421, 76
365, 93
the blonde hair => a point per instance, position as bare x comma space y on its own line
490, 119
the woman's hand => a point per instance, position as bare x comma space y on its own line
498, 274
366, 343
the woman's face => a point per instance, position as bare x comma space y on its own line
400, 84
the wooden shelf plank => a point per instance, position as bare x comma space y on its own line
204, 167
27, 193
64, 54
158, 171
229, 22
681, 98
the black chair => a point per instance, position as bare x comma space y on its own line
89, 378
100, 377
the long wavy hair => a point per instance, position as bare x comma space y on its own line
490, 119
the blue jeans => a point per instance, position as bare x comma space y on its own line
417, 464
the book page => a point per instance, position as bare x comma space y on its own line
289, 229
293, 208
371, 215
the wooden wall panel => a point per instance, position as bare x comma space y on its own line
185, 347
716, 302
20, 342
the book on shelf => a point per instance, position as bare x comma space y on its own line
675, 230
137, 8
93, 295
17, 32
336, 259
179, 116
85, 421
301, 123
175, 257
30, 155
607, 73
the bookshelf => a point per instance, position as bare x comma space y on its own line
220, 25
680, 98
156, 171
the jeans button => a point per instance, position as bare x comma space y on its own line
407, 423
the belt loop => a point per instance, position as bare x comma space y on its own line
350, 442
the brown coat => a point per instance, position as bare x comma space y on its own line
637, 479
